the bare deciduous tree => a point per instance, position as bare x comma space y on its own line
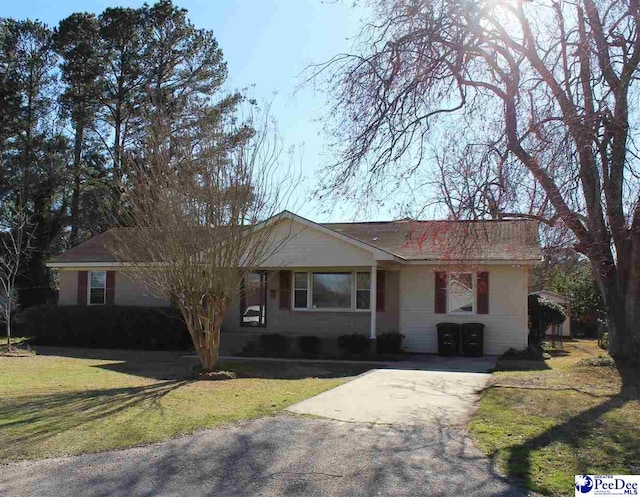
198, 206
16, 233
533, 105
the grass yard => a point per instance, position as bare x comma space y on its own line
71, 401
545, 421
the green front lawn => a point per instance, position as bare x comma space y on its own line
71, 401
544, 422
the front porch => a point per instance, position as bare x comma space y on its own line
312, 301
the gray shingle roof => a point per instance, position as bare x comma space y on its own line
94, 249
515, 240
504, 240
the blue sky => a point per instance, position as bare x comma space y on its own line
267, 43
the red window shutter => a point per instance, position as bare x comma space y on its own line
441, 292
483, 292
111, 287
380, 279
82, 287
285, 289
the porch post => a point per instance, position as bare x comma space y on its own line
372, 299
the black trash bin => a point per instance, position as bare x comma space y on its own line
472, 339
448, 338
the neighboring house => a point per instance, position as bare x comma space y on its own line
563, 329
337, 278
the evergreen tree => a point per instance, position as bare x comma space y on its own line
77, 41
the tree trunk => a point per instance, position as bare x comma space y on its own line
205, 334
75, 196
210, 353
622, 302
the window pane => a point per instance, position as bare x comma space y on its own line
363, 299
255, 300
461, 292
300, 299
363, 281
98, 279
96, 296
300, 281
332, 290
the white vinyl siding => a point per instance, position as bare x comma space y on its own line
505, 326
304, 247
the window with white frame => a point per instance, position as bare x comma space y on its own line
97, 287
363, 290
461, 293
340, 290
300, 290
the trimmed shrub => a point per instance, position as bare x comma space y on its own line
542, 313
111, 327
389, 343
309, 346
273, 345
530, 354
353, 344
601, 361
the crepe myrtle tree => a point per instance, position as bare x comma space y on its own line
511, 108
197, 211
16, 233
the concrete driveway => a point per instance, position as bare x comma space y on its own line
421, 391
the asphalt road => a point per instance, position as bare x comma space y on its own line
285, 455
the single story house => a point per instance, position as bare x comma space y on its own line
563, 329
330, 279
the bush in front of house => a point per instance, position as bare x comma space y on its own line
273, 345
529, 354
354, 344
600, 361
309, 346
542, 313
112, 327
389, 342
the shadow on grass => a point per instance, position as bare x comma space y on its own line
576, 432
33, 420
110, 354
287, 370
558, 353
182, 368
182, 365
517, 364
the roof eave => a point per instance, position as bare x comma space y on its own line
436, 262
54, 264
